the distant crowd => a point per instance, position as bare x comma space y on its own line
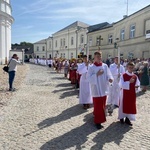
69, 67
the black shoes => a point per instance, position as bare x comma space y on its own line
122, 121
127, 121
116, 106
12, 89
86, 106
99, 126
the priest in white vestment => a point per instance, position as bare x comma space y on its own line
85, 96
99, 76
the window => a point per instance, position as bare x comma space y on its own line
122, 35
50, 44
147, 26
37, 48
61, 42
132, 31
71, 40
64, 55
82, 38
56, 43
110, 39
43, 48
121, 55
90, 41
64, 42
71, 55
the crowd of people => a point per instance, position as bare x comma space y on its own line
106, 85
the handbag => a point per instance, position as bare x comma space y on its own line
6, 68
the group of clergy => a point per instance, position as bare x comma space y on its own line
104, 86
41, 61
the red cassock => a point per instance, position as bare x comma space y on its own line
129, 96
70, 71
73, 76
99, 109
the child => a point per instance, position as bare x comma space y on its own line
129, 82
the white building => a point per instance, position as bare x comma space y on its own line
68, 43
40, 49
6, 21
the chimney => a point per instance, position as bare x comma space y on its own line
125, 16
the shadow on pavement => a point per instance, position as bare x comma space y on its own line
75, 138
61, 90
69, 94
78, 136
65, 115
113, 133
59, 78
64, 85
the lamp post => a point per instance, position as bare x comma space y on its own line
23, 56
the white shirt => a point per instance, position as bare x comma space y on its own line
13, 65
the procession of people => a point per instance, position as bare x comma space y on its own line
105, 86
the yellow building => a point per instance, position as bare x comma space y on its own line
132, 35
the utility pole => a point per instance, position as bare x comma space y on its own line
127, 7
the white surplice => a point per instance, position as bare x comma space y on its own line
114, 89
85, 96
99, 84
126, 85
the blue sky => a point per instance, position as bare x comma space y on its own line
38, 19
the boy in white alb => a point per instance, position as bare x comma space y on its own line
99, 77
129, 82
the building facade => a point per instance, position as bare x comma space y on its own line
6, 21
131, 35
40, 49
70, 42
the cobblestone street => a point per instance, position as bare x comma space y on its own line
44, 114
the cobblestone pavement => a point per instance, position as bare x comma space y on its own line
44, 114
